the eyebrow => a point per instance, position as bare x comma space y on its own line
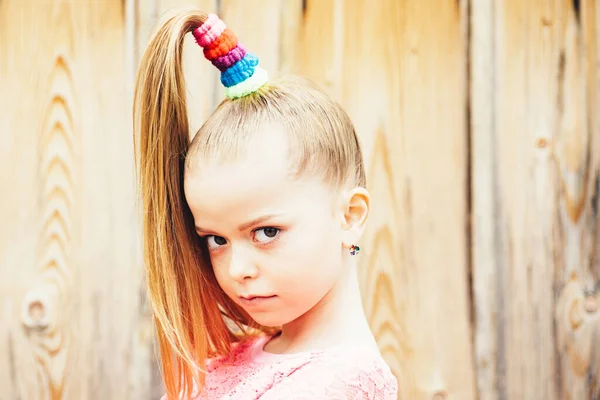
246, 225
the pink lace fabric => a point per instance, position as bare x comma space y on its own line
249, 372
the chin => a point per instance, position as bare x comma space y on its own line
271, 320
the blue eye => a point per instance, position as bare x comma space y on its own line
213, 241
265, 235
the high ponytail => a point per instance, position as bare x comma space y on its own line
185, 297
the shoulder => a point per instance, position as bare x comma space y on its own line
344, 374
223, 373
362, 374
240, 352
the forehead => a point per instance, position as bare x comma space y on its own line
260, 181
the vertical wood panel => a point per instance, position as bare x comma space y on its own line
416, 149
535, 198
19, 228
71, 311
578, 174
487, 286
41, 320
525, 66
121, 353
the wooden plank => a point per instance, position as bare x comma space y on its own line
71, 310
121, 353
39, 317
515, 209
535, 197
578, 168
486, 247
399, 70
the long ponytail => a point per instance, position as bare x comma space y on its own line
184, 296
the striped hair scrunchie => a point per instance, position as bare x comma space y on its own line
240, 72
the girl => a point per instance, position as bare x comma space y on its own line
250, 231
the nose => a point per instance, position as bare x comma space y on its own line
241, 267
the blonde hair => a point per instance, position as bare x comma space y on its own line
190, 309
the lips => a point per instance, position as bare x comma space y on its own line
256, 301
256, 296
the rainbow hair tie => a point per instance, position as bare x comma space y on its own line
240, 72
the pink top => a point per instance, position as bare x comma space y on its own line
249, 372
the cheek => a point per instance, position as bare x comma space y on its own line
221, 271
313, 256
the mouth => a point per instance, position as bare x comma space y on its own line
250, 300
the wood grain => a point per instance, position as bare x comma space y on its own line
417, 115
526, 62
577, 151
71, 315
40, 321
487, 257
535, 171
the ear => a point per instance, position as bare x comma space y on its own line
355, 206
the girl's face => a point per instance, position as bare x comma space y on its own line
274, 242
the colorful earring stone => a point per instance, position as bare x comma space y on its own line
354, 250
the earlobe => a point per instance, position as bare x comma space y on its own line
356, 211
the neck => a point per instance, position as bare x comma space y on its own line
338, 318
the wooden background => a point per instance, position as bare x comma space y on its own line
480, 124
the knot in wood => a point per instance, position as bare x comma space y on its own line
541, 143
36, 312
591, 304
440, 395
